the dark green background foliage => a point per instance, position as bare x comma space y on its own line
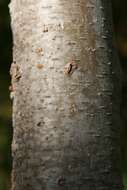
120, 26
5, 104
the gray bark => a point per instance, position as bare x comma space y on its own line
64, 86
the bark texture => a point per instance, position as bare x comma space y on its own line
65, 133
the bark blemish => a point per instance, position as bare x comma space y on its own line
61, 181
39, 124
45, 29
73, 108
70, 67
40, 51
40, 66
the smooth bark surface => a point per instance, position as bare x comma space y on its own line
64, 111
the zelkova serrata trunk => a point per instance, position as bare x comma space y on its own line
65, 100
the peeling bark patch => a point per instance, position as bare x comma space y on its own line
15, 72
70, 67
40, 51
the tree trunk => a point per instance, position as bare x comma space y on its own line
64, 99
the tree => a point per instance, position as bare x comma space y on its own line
65, 90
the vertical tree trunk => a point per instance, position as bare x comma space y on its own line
65, 136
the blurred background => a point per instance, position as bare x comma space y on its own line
5, 103
120, 26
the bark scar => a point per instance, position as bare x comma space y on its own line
15, 73
70, 67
